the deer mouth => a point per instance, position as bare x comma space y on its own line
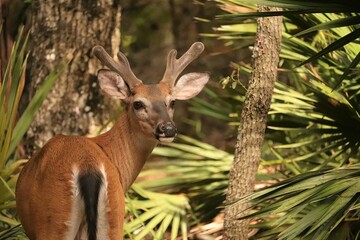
165, 139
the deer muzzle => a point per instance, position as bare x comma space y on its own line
166, 132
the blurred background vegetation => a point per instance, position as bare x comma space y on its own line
310, 158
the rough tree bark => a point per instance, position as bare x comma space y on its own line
59, 26
253, 122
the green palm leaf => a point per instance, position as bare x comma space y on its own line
13, 129
348, 70
342, 22
155, 213
325, 121
318, 202
28, 115
317, 22
335, 45
13, 233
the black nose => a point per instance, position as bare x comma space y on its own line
166, 130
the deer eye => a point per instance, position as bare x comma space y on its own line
172, 104
138, 105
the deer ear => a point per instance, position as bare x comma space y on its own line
189, 85
112, 84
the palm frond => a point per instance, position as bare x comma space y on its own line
28, 115
13, 233
156, 212
341, 42
13, 129
321, 126
310, 206
337, 18
195, 168
336, 23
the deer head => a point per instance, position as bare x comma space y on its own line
150, 107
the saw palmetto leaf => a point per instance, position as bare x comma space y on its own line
13, 126
13, 233
325, 122
335, 45
28, 115
351, 68
312, 126
156, 212
196, 168
341, 27
316, 6
341, 22
310, 206
10, 92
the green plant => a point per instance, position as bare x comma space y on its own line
184, 190
13, 233
10, 92
321, 127
196, 169
153, 213
313, 123
315, 205
339, 18
13, 126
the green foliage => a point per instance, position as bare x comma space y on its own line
13, 128
319, 123
11, 87
192, 183
13, 233
336, 31
321, 127
314, 123
315, 205
195, 168
153, 213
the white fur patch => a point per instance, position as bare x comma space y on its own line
77, 224
103, 223
77, 207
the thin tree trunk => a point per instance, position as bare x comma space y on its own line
253, 122
75, 104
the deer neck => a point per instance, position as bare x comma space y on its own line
127, 148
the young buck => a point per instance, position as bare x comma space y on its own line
74, 187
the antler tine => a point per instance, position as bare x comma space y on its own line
132, 80
122, 68
175, 66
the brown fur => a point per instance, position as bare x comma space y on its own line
44, 190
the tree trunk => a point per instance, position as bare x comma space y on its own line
75, 103
253, 122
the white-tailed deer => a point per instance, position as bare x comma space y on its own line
74, 187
